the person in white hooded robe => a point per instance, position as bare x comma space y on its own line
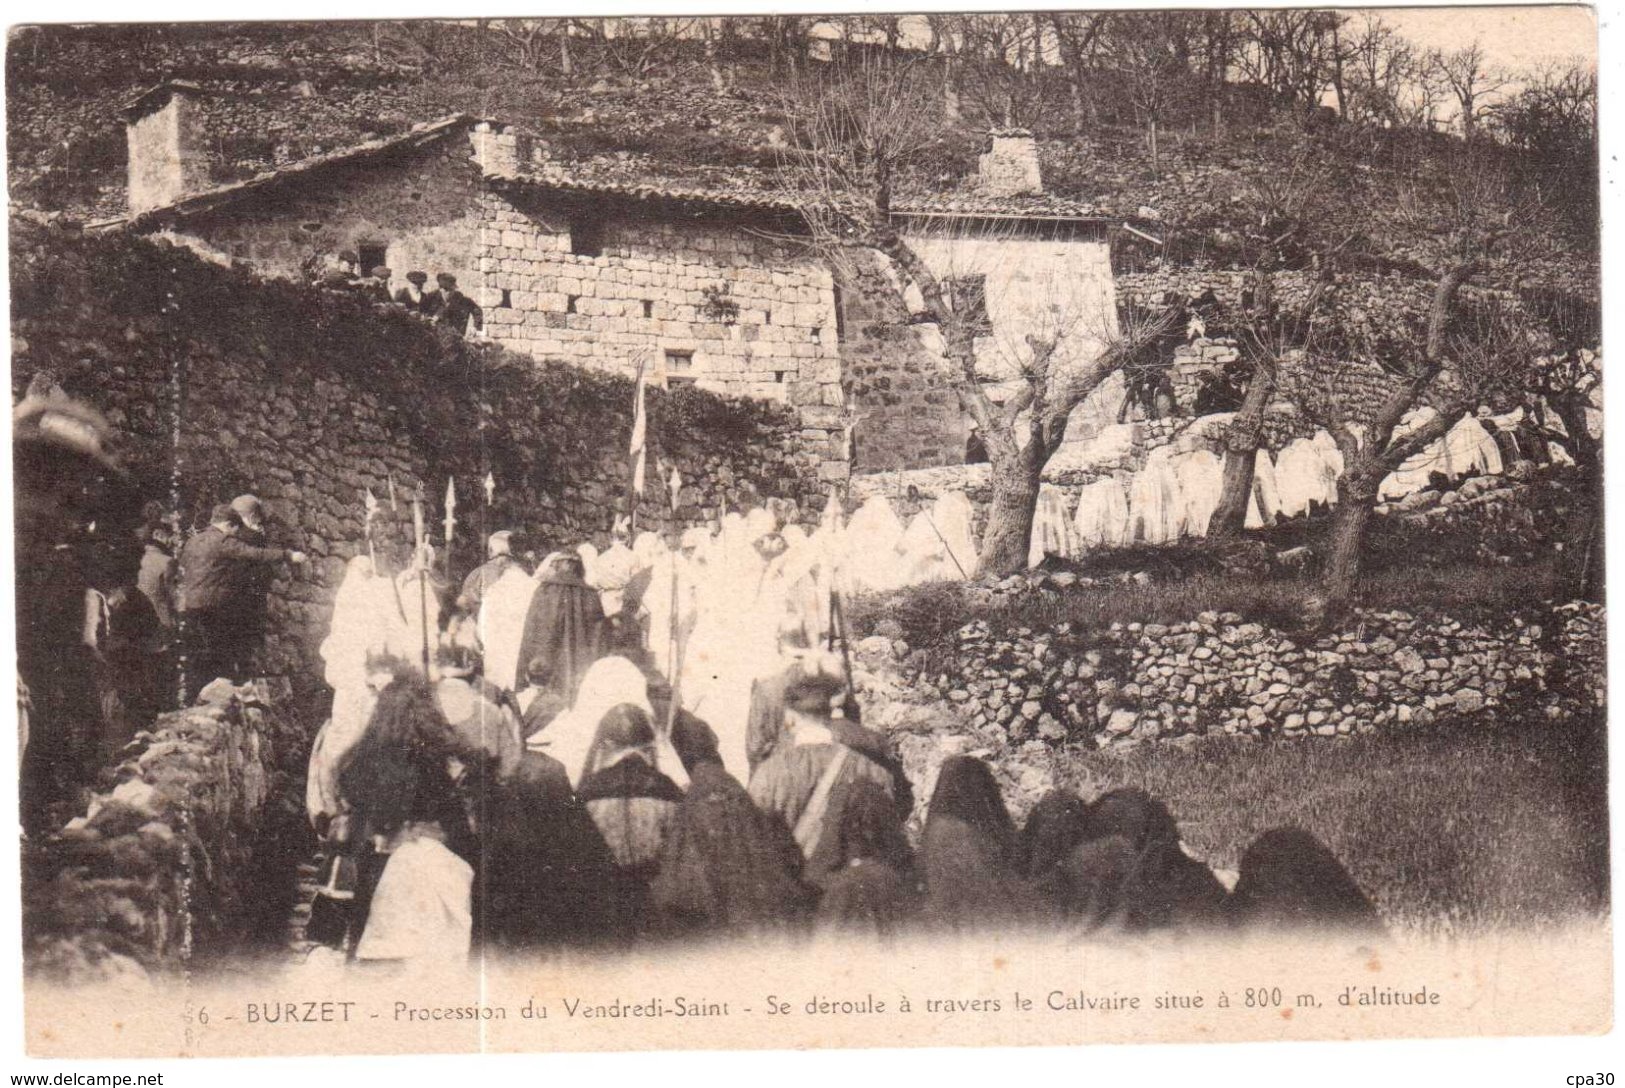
1102, 517
1053, 533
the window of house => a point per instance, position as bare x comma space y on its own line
840, 326
507, 299
570, 303
587, 236
371, 254
648, 307
680, 367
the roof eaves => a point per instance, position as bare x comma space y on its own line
210, 199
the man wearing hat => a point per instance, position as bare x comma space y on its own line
216, 577
376, 284
499, 546
66, 481
256, 578
458, 309
413, 296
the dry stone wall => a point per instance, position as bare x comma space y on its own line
1218, 674
184, 853
221, 382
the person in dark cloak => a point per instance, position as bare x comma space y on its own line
866, 870
1053, 829
970, 854
633, 805
727, 867
1130, 872
565, 624
811, 772
539, 701
1290, 880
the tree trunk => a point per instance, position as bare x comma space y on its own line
1229, 518
1017, 475
1347, 538
1240, 457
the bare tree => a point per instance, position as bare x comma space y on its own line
852, 129
1472, 81
1285, 210
1445, 362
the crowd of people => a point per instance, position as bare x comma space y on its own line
442, 304
560, 776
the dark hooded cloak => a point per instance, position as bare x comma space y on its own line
565, 625
1290, 880
969, 852
727, 866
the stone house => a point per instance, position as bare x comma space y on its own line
718, 289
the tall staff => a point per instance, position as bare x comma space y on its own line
674, 485
451, 519
423, 581
637, 448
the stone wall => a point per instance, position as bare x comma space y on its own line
906, 414
749, 315
221, 383
419, 205
189, 849
1217, 674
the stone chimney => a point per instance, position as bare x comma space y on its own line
497, 148
168, 147
1010, 168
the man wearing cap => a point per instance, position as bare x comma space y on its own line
413, 296
216, 573
256, 578
458, 309
499, 546
375, 285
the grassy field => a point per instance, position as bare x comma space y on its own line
1455, 829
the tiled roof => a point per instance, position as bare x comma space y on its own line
741, 190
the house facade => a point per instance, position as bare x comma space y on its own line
718, 290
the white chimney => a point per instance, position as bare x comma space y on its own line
1010, 168
497, 149
168, 148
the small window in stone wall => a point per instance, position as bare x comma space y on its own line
840, 326
587, 236
372, 255
507, 299
680, 367
648, 307
570, 303
778, 376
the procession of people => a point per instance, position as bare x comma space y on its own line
653, 743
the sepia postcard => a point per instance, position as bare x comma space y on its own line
738, 531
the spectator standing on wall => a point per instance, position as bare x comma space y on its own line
376, 285
458, 310
434, 299
413, 296
215, 568
256, 577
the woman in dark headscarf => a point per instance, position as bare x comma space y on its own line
1290, 880
867, 868
632, 803
727, 866
1054, 827
409, 835
565, 624
969, 852
1131, 872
